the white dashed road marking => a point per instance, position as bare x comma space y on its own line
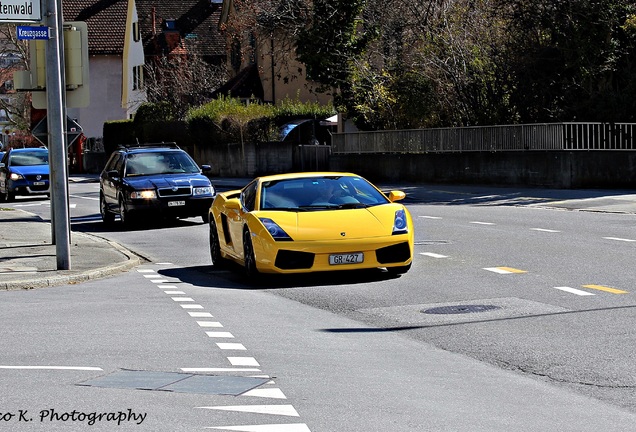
240, 364
243, 361
77, 368
231, 346
575, 291
209, 324
433, 255
619, 239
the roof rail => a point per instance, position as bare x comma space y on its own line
172, 145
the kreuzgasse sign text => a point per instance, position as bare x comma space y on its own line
20, 11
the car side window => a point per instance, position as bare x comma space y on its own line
248, 197
119, 164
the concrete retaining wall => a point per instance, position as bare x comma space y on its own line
553, 169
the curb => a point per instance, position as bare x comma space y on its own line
83, 276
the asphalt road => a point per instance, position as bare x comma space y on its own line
526, 315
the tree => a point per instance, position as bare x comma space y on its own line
13, 57
572, 60
182, 82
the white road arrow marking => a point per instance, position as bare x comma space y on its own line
274, 393
284, 410
298, 427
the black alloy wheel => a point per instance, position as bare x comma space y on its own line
107, 217
215, 246
248, 255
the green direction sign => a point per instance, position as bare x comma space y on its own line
20, 11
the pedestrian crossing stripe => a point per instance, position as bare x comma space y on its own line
504, 270
606, 289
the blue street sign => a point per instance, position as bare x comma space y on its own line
30, 33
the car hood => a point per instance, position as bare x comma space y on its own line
167, 181
31, 169
336, 224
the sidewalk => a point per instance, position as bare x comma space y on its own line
28, 259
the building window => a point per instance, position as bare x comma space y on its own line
138, 77
136, 32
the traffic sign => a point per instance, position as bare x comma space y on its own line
32, 33
20, 11
41, 131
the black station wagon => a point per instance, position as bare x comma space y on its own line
151, 181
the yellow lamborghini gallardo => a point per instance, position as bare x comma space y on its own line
306, 222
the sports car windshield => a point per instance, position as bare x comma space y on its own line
153, 163
319, 193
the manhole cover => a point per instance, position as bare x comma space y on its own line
459, 309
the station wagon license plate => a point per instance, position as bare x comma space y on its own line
176, 203
349, 258
39, 183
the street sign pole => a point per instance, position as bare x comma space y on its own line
57, 147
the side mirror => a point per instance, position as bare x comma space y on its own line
112, 174
233, 204
396, 195
206, 168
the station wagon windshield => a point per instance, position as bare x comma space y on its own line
153, 163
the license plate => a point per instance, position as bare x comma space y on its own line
39, 183
176, 203
349, 258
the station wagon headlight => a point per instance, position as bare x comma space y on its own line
145, 194
400, 225
15, 176
206, 190
274, 230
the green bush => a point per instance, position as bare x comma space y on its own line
229, 120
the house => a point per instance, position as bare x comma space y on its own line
116, 61
263, 65
183, 48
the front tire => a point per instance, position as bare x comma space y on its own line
218, 261
8, 196
107, 217
248, 255
398, 270
124, 215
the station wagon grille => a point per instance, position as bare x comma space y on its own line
171, 192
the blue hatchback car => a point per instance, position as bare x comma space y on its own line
24, 171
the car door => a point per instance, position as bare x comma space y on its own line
110, 182
3, 171
236, 218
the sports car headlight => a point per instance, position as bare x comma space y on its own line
399, 223
274, 230
15, 176
144, 194
206, 190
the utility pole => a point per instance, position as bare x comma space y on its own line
56, 128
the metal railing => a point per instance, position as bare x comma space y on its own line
541, 136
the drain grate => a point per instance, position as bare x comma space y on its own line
459, 309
